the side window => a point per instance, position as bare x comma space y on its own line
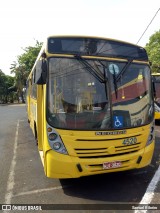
33, 85
27, 87
27, 93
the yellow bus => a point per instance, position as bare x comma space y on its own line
90, 105
156, 85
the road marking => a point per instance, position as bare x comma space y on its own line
11, 178
148, 196
41, 190
10, 182
41, 156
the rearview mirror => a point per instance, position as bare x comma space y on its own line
41, 72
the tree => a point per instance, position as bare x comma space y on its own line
5, 82
28, 58
9, 81
2, 85
22, 68
19, 81
153, 50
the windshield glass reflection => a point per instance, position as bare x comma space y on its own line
85, 94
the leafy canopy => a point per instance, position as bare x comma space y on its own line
6, 81
27, 59
153, 50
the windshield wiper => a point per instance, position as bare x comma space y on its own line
91, 69
115, 82
123, 70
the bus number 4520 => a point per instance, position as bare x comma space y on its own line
130, 141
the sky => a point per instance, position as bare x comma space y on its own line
22, 22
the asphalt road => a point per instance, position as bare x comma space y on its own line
22, 179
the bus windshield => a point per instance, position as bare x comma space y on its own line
94, 94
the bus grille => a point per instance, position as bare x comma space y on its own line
105, 152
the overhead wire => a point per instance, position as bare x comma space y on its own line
148, 25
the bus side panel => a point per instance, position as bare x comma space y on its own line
28, 98
40, 115
33, 112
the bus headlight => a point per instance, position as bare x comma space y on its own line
55, 141
57, 145
52, 136
151, 136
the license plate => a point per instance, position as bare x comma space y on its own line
112, 165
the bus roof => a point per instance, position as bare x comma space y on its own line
94, 46
93, 37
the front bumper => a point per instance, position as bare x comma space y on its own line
63, 166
